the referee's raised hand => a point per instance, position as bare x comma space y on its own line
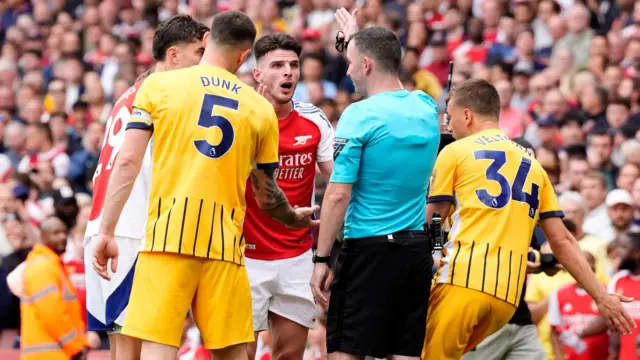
348, 22
617, 318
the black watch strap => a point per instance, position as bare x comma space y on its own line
321, 259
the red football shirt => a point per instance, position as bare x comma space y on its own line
572, 310
306, 137
627, 284
132, 220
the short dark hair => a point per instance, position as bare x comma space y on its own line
621, 101
180, 29
597, 175
478, 95
44, 128
232, 28
600, 130
58, 114
603, 95
634, 239
314, 56
277, 41
382, 45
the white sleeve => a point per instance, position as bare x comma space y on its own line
311, 112
24, 165
327, 137
613, 283
553, 316
61, 165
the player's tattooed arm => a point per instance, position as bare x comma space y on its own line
270, 197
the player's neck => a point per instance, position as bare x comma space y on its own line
282, 109
161, 66
383, 83
481, 126
216, 60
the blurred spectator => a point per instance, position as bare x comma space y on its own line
620, 211
522, 95
593, 189
312, 76
475, 48
628, 175
41, 148
15, 141
511, 119
579, 36
439, 64
599, 150
575, 209
636, 201
423, 78
85, 160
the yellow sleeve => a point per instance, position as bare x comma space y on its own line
549, 206
144, 105
267, 152
441, 187
534, 290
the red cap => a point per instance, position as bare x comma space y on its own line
311, 34
143, 59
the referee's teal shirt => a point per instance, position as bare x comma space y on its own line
386, 146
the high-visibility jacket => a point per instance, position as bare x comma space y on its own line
52, 326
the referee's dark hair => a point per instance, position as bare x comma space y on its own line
180, 29
382, 45
232, 28
277, 41
477, 95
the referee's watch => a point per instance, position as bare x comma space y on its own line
320, 259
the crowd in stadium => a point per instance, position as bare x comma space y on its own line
567, 73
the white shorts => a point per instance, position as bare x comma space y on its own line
281, 287
107, 300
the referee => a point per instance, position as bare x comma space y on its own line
385, 151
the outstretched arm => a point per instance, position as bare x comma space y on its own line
270, 197
566, 249
272, 200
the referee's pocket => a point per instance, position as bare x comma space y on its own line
342, 257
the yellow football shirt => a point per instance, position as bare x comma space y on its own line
209, 128
499, 192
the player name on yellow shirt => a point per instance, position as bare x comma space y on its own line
214, 81
485, 140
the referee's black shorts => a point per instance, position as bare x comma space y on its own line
379, 298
